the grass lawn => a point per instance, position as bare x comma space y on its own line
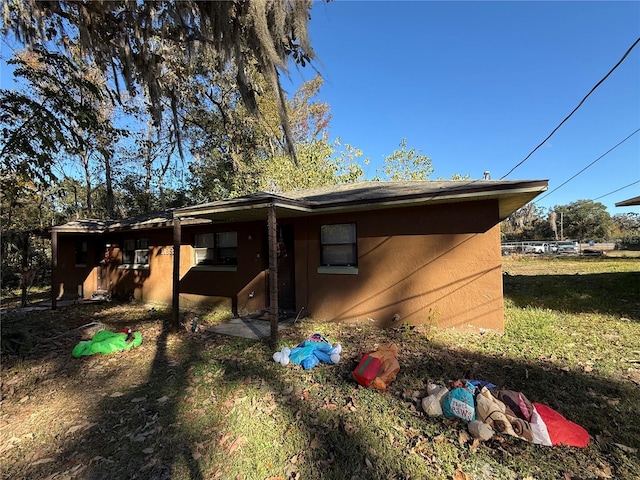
205, 406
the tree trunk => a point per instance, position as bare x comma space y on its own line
54, 268
26, 274
111, 204
87, 178
163, 172
175, 299
148, 164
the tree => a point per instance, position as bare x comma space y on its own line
152, 44
459, 176
526, 223
235, 153
585, 220
48, 116
150, 168
553, 219
405, 164
628, 224
60, 114
627, 227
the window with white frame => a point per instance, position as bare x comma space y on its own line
135, 251
216, 248
338, 245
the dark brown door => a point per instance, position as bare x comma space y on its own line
286, 269
104, 256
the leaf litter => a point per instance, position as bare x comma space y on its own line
79, 389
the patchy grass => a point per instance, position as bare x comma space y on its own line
200, 405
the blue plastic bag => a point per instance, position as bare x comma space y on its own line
459, 403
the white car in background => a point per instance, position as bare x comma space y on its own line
567, 248
537, 248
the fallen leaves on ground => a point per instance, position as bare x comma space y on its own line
235, 444
460, 475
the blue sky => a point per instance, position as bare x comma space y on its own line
477, 86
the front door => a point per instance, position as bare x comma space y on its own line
286, 268
104, 256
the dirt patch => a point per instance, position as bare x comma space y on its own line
50, 400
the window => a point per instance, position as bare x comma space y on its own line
81, 254
338, 245
135, 251
227, 248
204, 247
216, 248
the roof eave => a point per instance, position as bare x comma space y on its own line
630, 202
509, 199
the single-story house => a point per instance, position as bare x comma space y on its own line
423, 252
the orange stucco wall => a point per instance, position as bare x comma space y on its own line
76, 280
438, 265
244, 290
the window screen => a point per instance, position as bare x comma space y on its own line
216, 249
338, 244
227, 248
135, 251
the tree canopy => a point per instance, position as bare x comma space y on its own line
405, 164
152, 44
580, 220
60, 109
586, 220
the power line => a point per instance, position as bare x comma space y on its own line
597, 159
575, 109
621, 188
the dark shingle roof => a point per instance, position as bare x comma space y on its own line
510, 194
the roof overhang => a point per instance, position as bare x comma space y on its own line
630, 202
510, 196
144, 222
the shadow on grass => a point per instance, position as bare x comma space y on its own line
606, 293
146, 432
341, 430
132, 433
352, 431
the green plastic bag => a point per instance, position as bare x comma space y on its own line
106, 342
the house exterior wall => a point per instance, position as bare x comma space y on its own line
76, 280
244, 289
438, 265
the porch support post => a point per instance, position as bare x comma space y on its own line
175, 297
273, 273
54, 270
